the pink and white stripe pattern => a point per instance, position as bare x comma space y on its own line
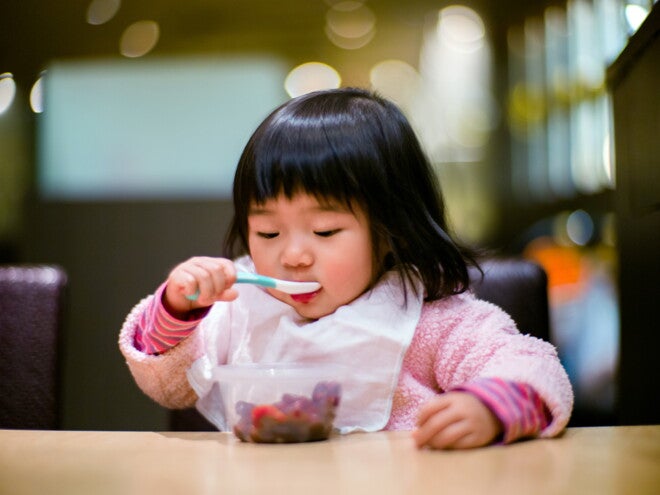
517, 405
158, 331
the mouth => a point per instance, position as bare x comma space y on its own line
305, 298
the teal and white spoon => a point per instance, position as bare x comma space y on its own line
288, 286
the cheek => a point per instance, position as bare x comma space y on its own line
350, 269
260, 257
263, 267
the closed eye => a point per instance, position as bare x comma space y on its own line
326, 233
268, 235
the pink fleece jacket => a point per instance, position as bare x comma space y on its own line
458, 340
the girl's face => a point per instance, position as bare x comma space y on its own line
303, 240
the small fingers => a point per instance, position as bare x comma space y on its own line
451, 436
432, 407
201, 281
183, 281
434, 417
455, 420
213, 277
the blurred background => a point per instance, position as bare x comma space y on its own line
121, 122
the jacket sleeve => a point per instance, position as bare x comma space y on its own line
162, 377
482, 341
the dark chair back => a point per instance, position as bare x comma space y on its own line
31, 307
518, 286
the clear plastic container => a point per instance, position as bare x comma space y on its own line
280, 403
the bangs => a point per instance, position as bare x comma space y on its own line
312, 154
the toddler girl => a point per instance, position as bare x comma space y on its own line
333, 187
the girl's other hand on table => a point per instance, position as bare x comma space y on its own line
456, 420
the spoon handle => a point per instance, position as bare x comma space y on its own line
289, 287
256, 279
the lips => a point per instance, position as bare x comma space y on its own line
305, 298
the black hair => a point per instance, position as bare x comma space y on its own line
353, 146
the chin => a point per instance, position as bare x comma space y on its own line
311, 313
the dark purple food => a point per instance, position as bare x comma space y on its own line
294, 418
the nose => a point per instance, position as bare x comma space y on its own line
297, 253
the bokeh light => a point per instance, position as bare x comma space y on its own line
139, 38
396, 80
350, 25
461, 27
579, 227
635, 15
101, 11
311, 76
36, 95
7, 91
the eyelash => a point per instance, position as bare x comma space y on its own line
326, 233
322, 233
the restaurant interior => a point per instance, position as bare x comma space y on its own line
121, 123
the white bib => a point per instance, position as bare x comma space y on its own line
369, 336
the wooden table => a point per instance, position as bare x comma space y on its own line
619, 460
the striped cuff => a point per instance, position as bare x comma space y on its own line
517, 405
159, 331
